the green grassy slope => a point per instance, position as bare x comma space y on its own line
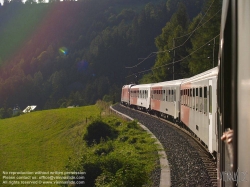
42, 140
109, 150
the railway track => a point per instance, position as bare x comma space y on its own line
190, 162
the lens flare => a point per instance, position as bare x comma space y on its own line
63, 50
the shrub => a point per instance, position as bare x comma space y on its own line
97, 131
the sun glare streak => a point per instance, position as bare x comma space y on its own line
63, 50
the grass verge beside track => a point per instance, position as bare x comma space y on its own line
63, 140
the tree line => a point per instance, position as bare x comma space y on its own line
74, 53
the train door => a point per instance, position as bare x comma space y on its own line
210, 114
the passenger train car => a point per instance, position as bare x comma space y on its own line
165, 99
140, 97
125, 96
198, 106
215, 103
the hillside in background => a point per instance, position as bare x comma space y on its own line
73, 53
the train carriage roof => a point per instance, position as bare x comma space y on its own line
168, 83
140, 86
202, 76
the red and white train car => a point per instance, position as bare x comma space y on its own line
198, 106
165, 99
125, 95
140, 96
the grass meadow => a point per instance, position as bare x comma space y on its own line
111, 151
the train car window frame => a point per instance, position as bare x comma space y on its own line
196, 99
193, 98
186, 97
210, 99
166, 94
201, 99
205, 99
172, 91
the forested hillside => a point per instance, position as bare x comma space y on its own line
72, 53
187, 47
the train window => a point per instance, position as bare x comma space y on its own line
169, 95
182, 100
201, 101
190, 98
188, 104
166, 95
205, 100
210, 99
174, 95
185, 97
193, 98
196, 99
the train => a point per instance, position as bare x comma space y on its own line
214, 105
190, 102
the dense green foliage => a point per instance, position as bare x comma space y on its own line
185, 47
73, 53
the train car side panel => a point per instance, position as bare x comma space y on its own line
196, 108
